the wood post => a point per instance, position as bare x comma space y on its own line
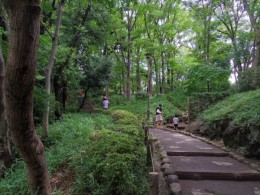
153, 183
147, 143
188, 105
146, 134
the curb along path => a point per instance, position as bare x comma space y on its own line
193, 167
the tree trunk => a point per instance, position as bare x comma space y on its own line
58, 91
157, 77
5, 152
138, 74
255, 25
256, 63
19, 84
128, 80
163, 73
45, 119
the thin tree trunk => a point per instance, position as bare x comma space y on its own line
163, 73
138, 75
45, 120
157, 75
128, 79
19, 84
5, 152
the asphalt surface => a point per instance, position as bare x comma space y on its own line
204, 169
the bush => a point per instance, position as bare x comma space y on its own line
116, 165
123, 114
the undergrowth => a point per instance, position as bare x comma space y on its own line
242, 109
236, 120
95, 153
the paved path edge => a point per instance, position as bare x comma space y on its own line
233, 155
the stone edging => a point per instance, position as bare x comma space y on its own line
169, 175
219, 145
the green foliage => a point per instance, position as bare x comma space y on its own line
141, 96
96, 72
245, 82
237, 121
242, 108
117, 100
201, 101
15, 180
178, 98
117, 164
122, 114
130, 129
201, 77
67, 138
40, 101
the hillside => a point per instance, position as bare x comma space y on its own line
236, 121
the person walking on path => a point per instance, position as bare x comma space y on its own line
175, 122
159, 118
105, 102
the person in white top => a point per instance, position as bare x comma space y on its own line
175, 121
105, 102
159, 118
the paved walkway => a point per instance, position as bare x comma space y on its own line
204, 169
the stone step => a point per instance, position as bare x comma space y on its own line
181, 127
185, 153
216, 168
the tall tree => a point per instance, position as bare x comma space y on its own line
252, 9
5, 153
45, 120
231, 13
19, 84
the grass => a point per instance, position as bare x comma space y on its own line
67, 138
242, 109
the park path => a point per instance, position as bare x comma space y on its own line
204, 169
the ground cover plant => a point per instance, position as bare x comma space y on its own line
66, 140
101, 153
235, 120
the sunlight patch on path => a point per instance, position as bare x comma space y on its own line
222, 163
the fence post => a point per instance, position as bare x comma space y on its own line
146, 128
147, 143
153, 183
188, 105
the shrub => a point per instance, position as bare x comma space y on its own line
123, 114
116, 162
